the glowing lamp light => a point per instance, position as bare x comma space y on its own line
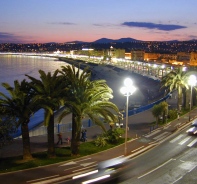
127, 90
192, 80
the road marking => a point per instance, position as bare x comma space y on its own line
161, 135
87, 164
164, 136
42, 178
167, 126
72, 168
177, 138
72, 163
177, 180
192, 143
140, 151
84, 159
55, 180
156, 168
69, 163
192, 168
137, 149
152, 133
184, 140
85, 168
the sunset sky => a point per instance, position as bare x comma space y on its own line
30, 21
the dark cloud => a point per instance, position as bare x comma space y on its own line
193, 37
148, 25
62, 23
9, 38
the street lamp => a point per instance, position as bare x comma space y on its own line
127, 90
191, 82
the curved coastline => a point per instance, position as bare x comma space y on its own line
148, 88
114, 76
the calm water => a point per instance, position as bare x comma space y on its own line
14, 67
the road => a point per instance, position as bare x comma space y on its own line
174, 161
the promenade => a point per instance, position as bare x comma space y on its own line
140, 131
140, 126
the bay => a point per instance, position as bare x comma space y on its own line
14, 67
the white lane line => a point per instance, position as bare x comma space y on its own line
184, 140
137, 149
152, 133
161, 135
68, 163
87, 164
73, 163
192, 143
176, 139
177, 180
140, 151
164, 136
85, 168
167, 126
192, 168
156, 168
83, 160
42, 178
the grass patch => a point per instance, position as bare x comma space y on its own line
41, 159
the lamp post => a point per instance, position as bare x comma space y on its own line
127, 90
191, 82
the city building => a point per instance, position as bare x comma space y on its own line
137, 55
151, 56
193, 58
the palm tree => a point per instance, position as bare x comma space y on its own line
157, 111
176, 80
20, 105
7, 128
49, 92
87, 99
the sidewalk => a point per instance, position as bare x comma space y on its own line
139, 130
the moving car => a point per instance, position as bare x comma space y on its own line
193, 128
108, 171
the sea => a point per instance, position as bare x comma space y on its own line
14, 67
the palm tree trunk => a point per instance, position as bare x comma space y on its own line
50, 131
26, 141
180, 96
194, 97
187, 100
76, 131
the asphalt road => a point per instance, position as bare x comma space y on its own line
173, 161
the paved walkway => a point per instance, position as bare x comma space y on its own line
140, 130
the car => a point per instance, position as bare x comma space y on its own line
107, 171
193, 129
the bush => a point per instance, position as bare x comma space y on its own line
101, 141
114, 135
172, 114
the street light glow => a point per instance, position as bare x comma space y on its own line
192, 82
127, 90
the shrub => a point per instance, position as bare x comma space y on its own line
101, 141
172, 114
114, 135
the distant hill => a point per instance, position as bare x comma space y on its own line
76, 42
107, 40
